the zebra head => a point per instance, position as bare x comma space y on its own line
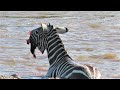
38, 37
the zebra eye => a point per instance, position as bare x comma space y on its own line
36, 32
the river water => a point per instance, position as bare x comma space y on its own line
93, 38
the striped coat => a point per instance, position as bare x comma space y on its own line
61, 64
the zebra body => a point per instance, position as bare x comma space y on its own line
61, 64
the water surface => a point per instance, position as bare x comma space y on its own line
93, 38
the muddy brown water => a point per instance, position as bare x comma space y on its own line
93, 38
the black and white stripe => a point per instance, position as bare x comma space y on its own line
61, 64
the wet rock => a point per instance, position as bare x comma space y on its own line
13, 76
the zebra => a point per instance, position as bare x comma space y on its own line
61, 64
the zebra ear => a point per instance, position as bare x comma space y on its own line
44, 27
61, 30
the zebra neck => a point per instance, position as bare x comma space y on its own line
55, 49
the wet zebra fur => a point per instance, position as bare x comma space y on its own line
61, 64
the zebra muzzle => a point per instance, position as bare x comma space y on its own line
28, 40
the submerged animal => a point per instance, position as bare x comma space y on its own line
61, 64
